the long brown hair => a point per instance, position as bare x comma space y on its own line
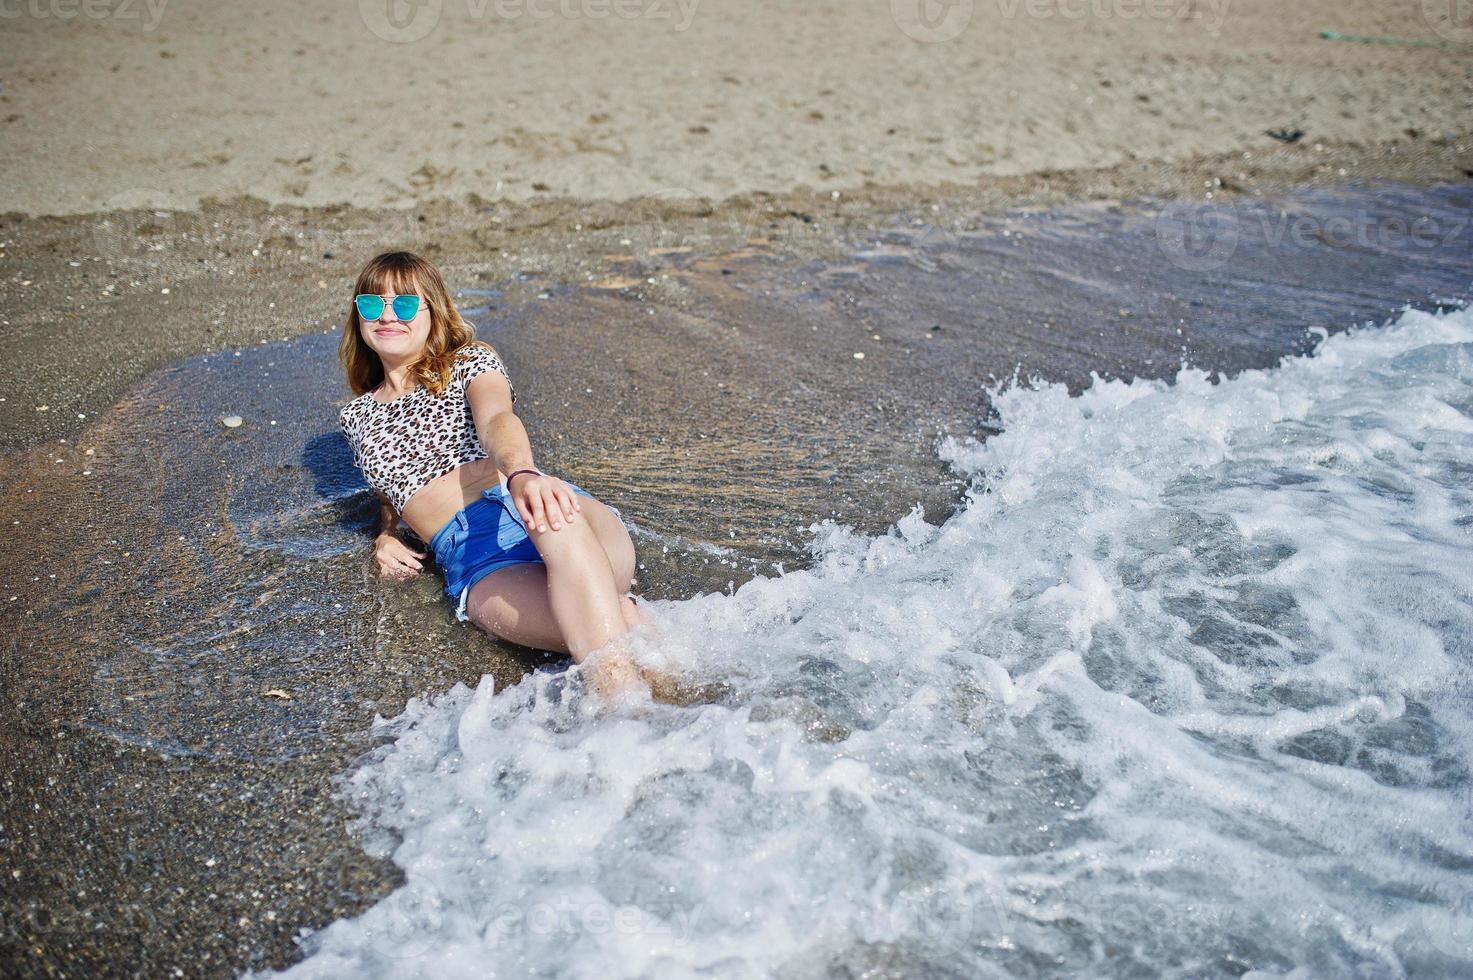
406, 272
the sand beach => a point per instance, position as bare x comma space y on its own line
752, 264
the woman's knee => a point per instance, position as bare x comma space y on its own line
596, 523
569, 539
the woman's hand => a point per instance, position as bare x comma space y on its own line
396, 560
543, 500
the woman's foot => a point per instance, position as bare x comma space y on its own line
618, 671
612, 670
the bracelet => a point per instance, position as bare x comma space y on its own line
515, 472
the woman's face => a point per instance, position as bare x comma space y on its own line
389, 336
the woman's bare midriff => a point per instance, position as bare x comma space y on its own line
435, 503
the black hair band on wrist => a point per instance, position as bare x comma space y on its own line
516, 472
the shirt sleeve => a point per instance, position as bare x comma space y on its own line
474, 359
351, 439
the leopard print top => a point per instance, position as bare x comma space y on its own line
402, 444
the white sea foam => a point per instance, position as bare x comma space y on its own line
1182, 690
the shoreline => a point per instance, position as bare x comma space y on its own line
183, 578
763, 275
97, 302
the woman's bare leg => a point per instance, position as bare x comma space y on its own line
632, 614
580, 586
513, 604
586, 593
516, 604
573, 601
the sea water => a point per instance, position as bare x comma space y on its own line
1184, 688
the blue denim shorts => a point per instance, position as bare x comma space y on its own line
482, 537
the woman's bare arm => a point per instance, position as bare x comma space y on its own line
501, 433
396, 559
388, 517
549, 501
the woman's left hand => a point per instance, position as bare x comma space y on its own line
543, 500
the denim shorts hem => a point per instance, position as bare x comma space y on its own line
480, 573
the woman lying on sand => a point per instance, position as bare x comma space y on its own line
526, 556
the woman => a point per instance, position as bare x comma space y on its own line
526, 556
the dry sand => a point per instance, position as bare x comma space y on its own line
159, 103
550, 122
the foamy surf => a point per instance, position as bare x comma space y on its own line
1182, 689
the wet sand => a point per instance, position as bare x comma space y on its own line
680, 234
94, 302
695, 366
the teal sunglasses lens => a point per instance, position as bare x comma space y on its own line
406, 306
371, 307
